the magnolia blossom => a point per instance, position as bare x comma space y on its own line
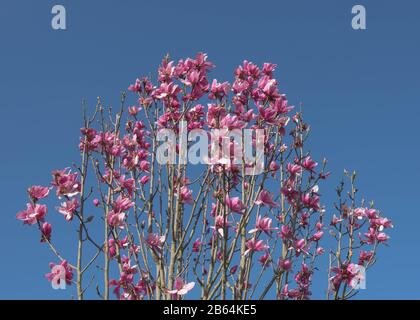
186, 195
235, 204
265, 198
263, 225
68, 208
46, 230
155, 242
56, 273
33, 213
38, 192
65, 182
255, 245
181, 288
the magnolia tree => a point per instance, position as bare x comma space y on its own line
203, 190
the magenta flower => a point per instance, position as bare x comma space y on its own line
122, 204
309, 164
186, 195
155, 242
197, 245
116, 219
235, 204
145, 179
46, 230
55, 274
68, 208
96, 202
255, 245
265, 198
65, 182
38, 192
317, 236
32, 214
127, 184
181, 288
263, 225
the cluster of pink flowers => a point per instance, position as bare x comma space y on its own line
170, 228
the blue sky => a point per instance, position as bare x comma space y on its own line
360, 91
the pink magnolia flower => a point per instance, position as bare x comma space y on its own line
136, 87
38, 192
309, 164
292, 293
65, 182
116, 219
127, 184
263, 225
317, 236
145, 179
235, 204
55, 274
96, 202
133, 110
32, 214
122, 204
46, 230
284, 265
286, 232
219, 90
232, 122
346, 273
220, 223
155, 242
181, 288
274, 166
197, 245
255, 245
311, 201
293, 169
359, 213
186, 195
265, 260
300, 246
265, 198
68, 208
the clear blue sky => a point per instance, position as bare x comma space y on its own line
360, 91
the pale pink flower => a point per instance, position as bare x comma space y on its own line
235, 204
122, 204
255, 245
181, 288
32, 214
265, 198
116, 219
38, 192
68, 208
68, 277
133, 110
263, 225
186, 195
65, 182
309, 164
155, 242
317, 236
